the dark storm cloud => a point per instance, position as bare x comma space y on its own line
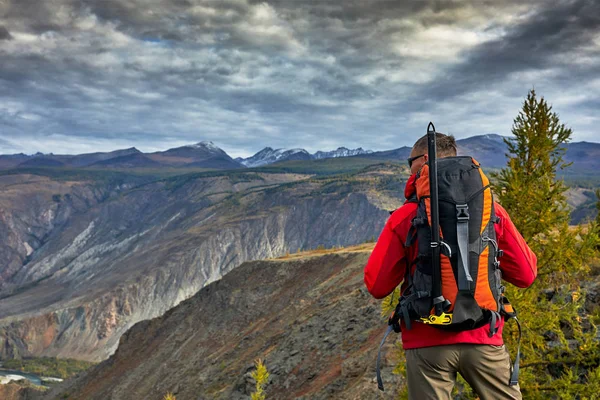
4, 33
554, 30
249, 74
32, 15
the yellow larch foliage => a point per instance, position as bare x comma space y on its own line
261, 376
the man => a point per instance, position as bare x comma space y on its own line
433, 356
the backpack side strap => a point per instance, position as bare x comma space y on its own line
508, 311
514, 376
379, 380
495, 317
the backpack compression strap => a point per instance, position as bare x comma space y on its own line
462, 236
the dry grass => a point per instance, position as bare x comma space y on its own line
360, 248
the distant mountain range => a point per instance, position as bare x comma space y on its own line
203, 155
269, 156
488, 149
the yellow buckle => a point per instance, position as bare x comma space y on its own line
443, 319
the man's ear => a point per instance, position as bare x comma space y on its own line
426, 157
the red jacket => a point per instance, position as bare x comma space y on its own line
387, 265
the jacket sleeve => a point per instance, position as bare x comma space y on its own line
519, 263
387, 265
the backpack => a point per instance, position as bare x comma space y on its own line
471, 288
454, 283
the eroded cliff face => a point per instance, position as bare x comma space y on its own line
31, 208
135, 254
309, 317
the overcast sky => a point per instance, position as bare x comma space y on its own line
86, 75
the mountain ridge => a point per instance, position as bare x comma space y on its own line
205, 154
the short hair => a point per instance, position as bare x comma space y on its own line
445, 145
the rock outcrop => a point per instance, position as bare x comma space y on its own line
18, 391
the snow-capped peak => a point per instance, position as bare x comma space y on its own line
494, 137
295, 151
207, 145
268, 155
341, 152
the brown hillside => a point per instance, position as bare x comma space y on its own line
308, 316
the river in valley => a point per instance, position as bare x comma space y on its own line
36, 380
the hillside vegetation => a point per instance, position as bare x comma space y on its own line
48, 367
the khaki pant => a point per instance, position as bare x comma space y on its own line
431, 371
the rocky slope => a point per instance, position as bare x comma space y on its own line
34, 207
308, 317
139, 252
582, 203
18, 391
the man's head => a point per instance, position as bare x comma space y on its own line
445, 145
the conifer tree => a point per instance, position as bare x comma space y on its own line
560, 353
261, 377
